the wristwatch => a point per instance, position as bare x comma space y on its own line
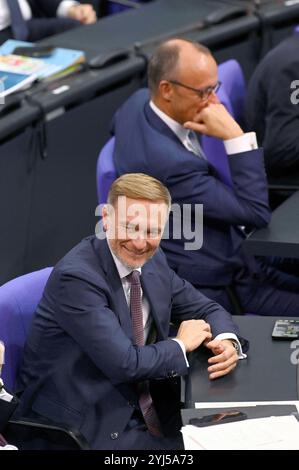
235, 345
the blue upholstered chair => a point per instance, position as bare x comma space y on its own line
232, 95
18, 301
117, 6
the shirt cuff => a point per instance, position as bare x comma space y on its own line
65, 5
180, 342
240, 144
222, 336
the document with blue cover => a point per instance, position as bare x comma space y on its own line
11, 82
60, 60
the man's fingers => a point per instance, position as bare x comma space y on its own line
222, 368
221, 373
196, 126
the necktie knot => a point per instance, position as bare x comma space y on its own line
193, 144
134, 277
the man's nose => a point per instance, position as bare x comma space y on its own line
139, 243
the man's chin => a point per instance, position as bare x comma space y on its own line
135, 261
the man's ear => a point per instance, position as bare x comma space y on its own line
105, 216
165, 90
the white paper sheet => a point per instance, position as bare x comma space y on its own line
235, 404
276, 432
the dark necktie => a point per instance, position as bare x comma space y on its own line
145, 400
2, 441
18, 24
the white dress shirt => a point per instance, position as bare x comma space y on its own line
5, 21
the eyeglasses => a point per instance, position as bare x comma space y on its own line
202, 93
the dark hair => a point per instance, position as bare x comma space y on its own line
165, 59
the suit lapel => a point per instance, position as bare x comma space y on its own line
150, 285
150, 289
156, 122
120, 305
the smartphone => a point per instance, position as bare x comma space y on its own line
219, 418
286, 329
34, 51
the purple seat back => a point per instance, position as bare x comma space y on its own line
18, 301
115, 7
106, 172
233, 82
232, 96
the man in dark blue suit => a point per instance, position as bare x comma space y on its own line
152, 132
99, 358
35, 19
272, 107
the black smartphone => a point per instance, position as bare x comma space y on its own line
286, 329
218, 418
34, 51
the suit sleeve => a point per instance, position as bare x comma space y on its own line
188, 303
83, 312
245, 204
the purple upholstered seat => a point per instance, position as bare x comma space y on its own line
18, 301
117, 7
106, 172
232, 96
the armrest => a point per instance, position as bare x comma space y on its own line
35, 435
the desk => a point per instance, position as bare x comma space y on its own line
267, 373
281, 237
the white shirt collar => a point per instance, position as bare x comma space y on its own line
122, 269
175, 126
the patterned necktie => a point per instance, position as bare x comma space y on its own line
145, 400
18, 24
2, 441
193, 144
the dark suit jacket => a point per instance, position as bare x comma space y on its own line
144, 143
44, 22
44, 7
270, 111
80, 366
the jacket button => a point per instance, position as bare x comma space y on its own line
130, 403
114, 435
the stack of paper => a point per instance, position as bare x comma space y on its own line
273, 433
18, 72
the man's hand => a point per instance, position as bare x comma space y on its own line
214, 120
193, 333
83, 13
225, 359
